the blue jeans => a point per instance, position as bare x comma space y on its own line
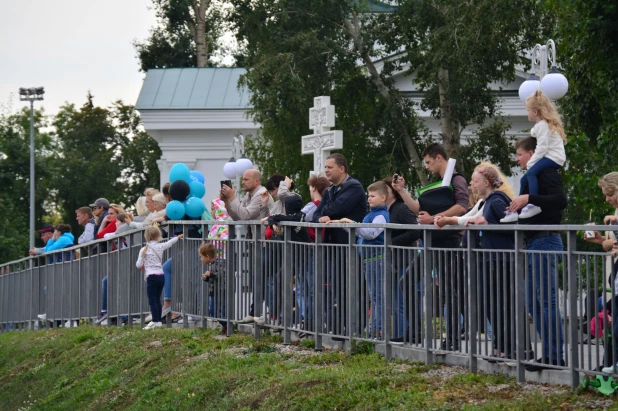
373, 276
530, 178
154, 285
542, 294
304, 292
104, 294
167, 274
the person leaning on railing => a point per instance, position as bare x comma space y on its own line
609, 186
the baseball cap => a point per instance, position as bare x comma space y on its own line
47, 229
101, 202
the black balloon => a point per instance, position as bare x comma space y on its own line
179, 190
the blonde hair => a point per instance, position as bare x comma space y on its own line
539, 102
379, 187
152, 233
609, 182
140, 206
117, 208
506, 187
149, 192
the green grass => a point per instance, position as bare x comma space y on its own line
119, 368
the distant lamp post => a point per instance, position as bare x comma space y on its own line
552, 83
31, 94
236, 168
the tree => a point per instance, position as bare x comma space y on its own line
15, 180
298, 50
101, 153
188, 33
451, 50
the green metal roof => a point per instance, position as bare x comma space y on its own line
193, 88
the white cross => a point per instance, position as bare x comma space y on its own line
323, 139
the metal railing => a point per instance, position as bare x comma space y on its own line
479, 306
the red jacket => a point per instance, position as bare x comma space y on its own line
109, 228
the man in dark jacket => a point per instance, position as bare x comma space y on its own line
542, 295
345, 198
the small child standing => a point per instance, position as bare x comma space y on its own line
149, 260
372, 256
549, 153
216, 283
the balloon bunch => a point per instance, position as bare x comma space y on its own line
186, 190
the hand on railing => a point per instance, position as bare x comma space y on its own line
343, 220
425, 218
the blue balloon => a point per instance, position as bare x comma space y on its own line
180, 171
194, 207
175, 210
197, 189
196, 176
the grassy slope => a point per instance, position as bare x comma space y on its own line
120, 368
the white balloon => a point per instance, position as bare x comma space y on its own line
554, 85
229, 169
243, 164
528, 87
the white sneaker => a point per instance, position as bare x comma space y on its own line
248, 319
259, 320
148, 319
609, 370
67, 324
149, 325
530, 211
42, 317
156, 325
191, 319
35, 325
511, 217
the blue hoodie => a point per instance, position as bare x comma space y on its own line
66, 240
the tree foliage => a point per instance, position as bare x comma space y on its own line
188, 34
15, 179
88, 153
452, 51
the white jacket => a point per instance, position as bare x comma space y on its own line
151, 260
548, 144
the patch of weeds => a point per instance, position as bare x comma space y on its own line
277, 338
261, 347
308, 344
361, 347
88, 335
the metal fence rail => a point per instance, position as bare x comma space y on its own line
508, 306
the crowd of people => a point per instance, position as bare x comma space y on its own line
338, 198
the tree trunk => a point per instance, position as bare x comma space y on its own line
450, 127
354, 31
201, 45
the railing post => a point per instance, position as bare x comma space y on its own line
573, 319
287, 273
428, 286
319, 277
387, 292
521, 316
258, 282
230, 280
185, 283
472, 316
352, 279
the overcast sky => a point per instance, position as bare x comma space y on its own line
70, 47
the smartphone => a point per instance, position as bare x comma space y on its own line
227, 183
